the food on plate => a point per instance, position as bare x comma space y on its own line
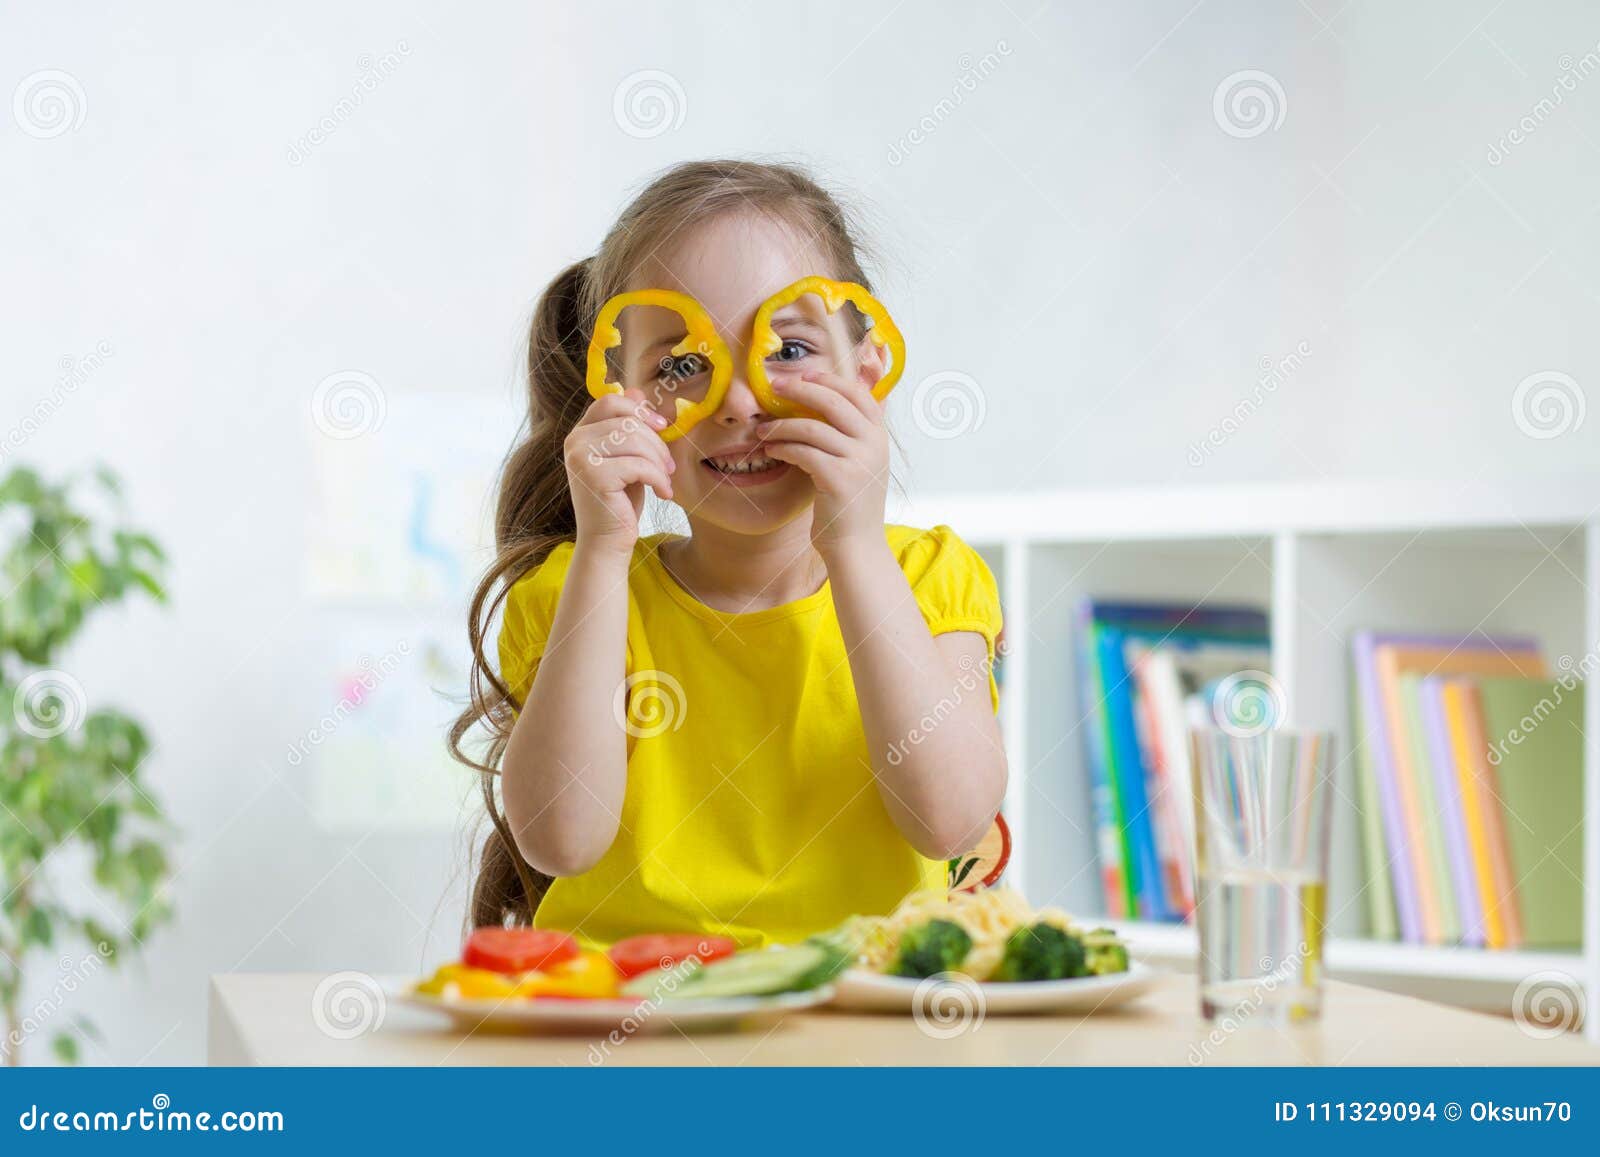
586, 976
1005, 939
666, 950
1107, 954
1041, 952
755, 972
516, 949
934, 947
589, 975
990, 935
502, 964
459, 981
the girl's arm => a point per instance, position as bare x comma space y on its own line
565, 766
932, 734
930, 727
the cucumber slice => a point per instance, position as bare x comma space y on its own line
836, 958
760, 973
661, 983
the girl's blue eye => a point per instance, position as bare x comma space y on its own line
791, 351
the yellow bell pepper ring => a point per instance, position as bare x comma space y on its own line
764, 341
700, 338
460, 982
591, 976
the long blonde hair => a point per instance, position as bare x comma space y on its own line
533, 512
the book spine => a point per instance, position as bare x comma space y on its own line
1102, 796
1142, 869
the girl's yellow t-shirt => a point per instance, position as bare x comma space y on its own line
751, 809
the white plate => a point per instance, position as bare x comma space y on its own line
603, 1016
875, 992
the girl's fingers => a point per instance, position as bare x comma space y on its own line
857, 392
629, 470
813, 461
629, 403
807, 430
622, 436
825, 400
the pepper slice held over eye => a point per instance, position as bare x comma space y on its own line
699, 340
765, 341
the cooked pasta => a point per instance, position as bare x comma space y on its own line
989, 915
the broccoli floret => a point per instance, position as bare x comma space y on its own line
937, 946
1106, 954
1041, 952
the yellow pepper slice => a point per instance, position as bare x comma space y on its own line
764, 342
459, 981
700, 338
591, 975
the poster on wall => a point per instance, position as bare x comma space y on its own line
399, 533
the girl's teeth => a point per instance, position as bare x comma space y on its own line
744, 466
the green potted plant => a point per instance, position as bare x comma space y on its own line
70, 777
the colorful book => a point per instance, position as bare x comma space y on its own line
1142, 863
1425, 698
1103, 802
1416, 785
1131, 755
1480, 807
1534, 729
1379, 889
1177, 882
1415, 853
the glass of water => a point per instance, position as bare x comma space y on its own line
1261, 854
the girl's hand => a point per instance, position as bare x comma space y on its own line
612, 455
846, 452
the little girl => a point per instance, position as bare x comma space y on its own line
761, 728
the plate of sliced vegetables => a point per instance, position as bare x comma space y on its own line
534, 980
984, 951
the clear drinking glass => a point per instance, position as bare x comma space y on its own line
1261, 854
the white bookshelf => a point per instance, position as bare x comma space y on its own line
1516, 556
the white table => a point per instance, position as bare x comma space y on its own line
266, 1019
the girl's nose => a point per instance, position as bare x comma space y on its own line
739, 405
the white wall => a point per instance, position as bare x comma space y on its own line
1077, 234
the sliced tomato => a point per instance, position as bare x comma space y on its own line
517, 949
639, 954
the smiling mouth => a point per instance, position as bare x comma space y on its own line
742, 465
